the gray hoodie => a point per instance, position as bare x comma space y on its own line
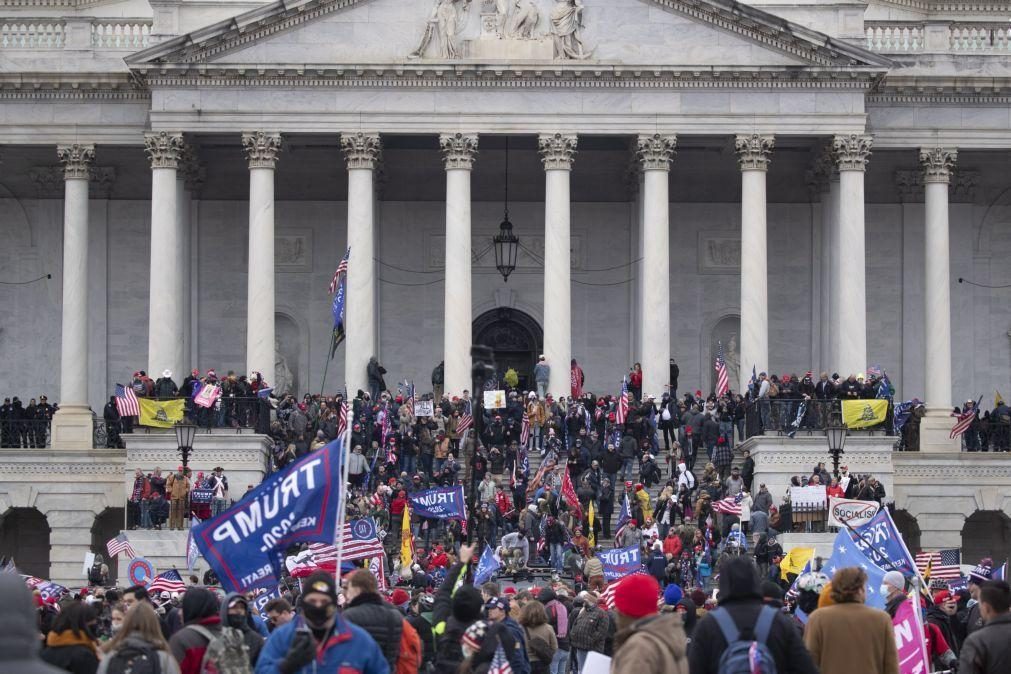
19, 633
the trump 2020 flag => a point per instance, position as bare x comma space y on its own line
621, 562
245, 545
443, 503
487, 566
880, 542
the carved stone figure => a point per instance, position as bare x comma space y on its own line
525, 20
733, 360
282, 373
566, 29
448, 18
501, 16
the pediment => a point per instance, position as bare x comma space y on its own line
624, 33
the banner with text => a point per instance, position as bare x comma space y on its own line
880, 541
909, 640
245, 545
620, 562
443, 503
843, 511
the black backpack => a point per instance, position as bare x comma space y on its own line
134, 658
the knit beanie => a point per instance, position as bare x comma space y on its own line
636, 595
672, 595
825, 598
467, 604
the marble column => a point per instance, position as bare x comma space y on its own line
850, 296
753, 157
362, 152
165, 348
458, 153
938, 164
557, 152
192, 176
72, 424
833, 268
262, 149
655, 152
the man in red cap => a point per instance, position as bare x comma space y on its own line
646, 642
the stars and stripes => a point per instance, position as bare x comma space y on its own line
622, 412
126, 401
525, 430
358, 544
168, 581
342, 268
119, 544
465, 423
963, 422
499, 662
722, 378
342, 419
729, 505
943, 564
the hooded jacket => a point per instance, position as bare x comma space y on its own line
19, 636
381, 620
254, 642
654, 644
200, 607
988, 649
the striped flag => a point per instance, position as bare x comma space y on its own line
729, 505
168, 581
499, 662
963, 422
525, 430
342, 268
943, 564
466, 421
361, 540
622, 412
126, 401
722, 378
120, 544
342, 419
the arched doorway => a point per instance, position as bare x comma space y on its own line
516, 339
24, 535
909, 528
107, 526
986, 533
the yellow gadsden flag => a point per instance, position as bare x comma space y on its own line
161, 413
592, 538
864, 413
794, 561
406, 541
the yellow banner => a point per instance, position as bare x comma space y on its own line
589, 520
406, 541
794, 561
161, 413
864, 413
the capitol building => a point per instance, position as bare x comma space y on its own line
813, 185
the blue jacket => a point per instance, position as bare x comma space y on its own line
349, 650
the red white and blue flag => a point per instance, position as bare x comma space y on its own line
168, 581
525, 430
722, 379
499, 662
361, 540
730, 505
944, 564
120, 544
342, 419
342, 268
963, 422
466, 421
126, 401
622, 412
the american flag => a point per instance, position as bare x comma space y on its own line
466, 421
722, 378
342, 419
963, 422
607, 596
126, 402
120, 544
499, 662
873, 371
358, 543
622, 412
168, 581
410, 395
729, 506
342, 268
525, 430
944, 564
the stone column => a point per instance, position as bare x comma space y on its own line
458, 152
935, 428
656, 152
753, 156
557, 151
191, 178
262, 149
72, 424
834, 270
850, 298
165, 348
362, 152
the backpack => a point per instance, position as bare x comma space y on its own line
773, 390
226, 653
539, 649
409, 657
134, 658
95, 575
746, 656
590, 631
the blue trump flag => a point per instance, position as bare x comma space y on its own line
621, 562
245, 544
487, 566
846, 553
443, 503
880, 542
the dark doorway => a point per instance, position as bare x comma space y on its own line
107, 526
516, 339
986, 533
24, 535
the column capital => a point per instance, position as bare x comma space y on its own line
458, 150
656, 151
262, 148
361, 150
938, 164
753, 151
76, 160
164, 149
557, 150
851, 151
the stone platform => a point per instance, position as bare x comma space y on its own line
164, 549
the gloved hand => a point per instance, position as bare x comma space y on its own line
300, 653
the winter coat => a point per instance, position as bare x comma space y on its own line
655, 644
988, 649
762, 501
349, 649
852, 637
546, 634
76, 654
166, 662
381, 620
177, 488
19, 637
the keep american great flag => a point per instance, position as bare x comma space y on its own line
361, 540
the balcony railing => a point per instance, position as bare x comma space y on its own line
121, 35
125, 34
898, 37
41, 34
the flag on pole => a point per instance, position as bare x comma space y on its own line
964, 420
622, 412
943, 564
406, 542
729, 505
997, 399
126, 402
1000, 573
722, 378
466, 421
167, 581
342, 268
339, 303
192, 551
623, 517
342, 419
525, 429
569, 494
120, 544
361, 540
487, 565
590, 535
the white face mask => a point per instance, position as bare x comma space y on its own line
885, 590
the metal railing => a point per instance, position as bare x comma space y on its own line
25, 433
784, 416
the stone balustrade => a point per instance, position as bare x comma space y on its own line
105, 34
901, 37
32, 34
132, 34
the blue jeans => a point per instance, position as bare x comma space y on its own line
437, 466
581, 659
409, 463
727, 431
556, 556
627, 469
765, 413
559, 662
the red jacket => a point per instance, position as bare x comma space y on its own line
397, 507
672, 546
188, 646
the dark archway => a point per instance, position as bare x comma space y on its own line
986, 533
107, 526
909, 528
24, 535
515, 337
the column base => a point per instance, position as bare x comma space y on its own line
935, 427
73, 428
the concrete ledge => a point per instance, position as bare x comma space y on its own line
164, 549
822, 543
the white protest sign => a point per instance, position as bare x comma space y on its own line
494, 400
808, 497
89, 561
424, 408
848, 511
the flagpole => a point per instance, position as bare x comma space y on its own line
342, 498
326, 366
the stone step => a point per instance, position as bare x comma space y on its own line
165, 550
